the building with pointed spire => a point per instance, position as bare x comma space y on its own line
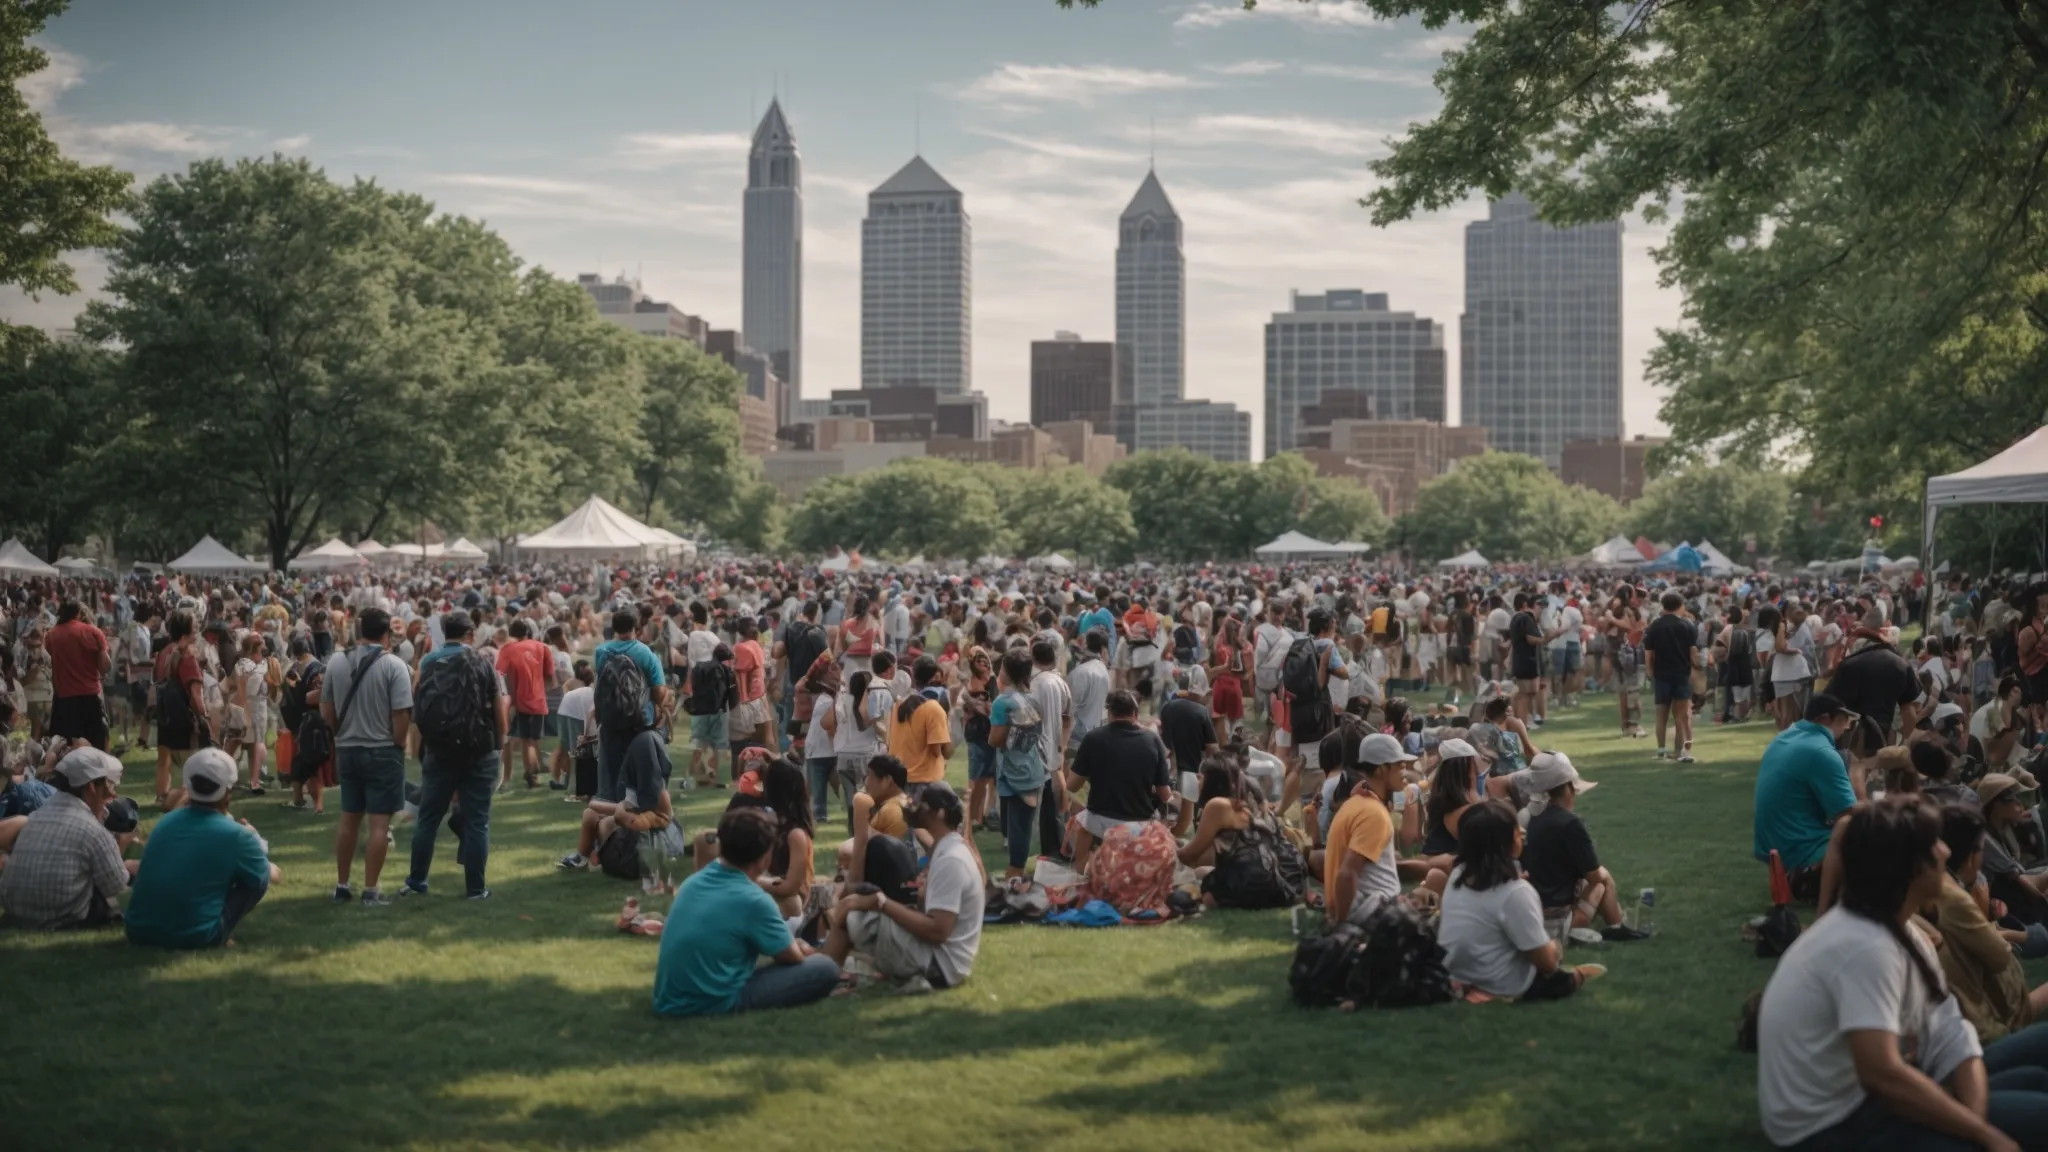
916, 280
1152, 410
772, 253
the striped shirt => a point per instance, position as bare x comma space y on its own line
61, 859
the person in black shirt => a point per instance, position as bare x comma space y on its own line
1124, 769
1559, 857
1878, 684
1668, 646
1525, 640
1189, 734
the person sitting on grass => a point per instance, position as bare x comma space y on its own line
1123, 765
1559, 856
1859, 1043
933, 946
66, 869
1802, 786
1937, 769
2024, 891
786, 794
1976, 954
1492, 928
1223, 808
722, 921
878, 813
645, 808
201, 871
1359, 865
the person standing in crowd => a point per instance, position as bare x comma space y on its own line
1669, 648
138, 671
1055, 701
202, 871
182, 727
79, 658
366, 699
750, 716
615, 732
464, 717
528, 668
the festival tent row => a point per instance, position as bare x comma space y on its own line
1292, 543
1470, 559
210, 557
1616, 553
598, 530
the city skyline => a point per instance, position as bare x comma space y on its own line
1043, 119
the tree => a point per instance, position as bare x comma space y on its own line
1066, 510
304, 351
48, 205
1508, 506
61, 404
691, 466
1285, 492
1725, 503
923, 505
1183, 506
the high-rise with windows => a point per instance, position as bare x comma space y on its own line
916, 275
1540, 339
772, 252
1347, 341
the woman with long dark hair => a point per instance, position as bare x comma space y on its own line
1860, 1043
1492, 928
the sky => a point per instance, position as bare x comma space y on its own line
612, 138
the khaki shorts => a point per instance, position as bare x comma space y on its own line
893, 950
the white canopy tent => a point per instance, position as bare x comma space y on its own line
1715, 562
17, 560
210, 557
1619, 552
1293, 543
1351, 547
668, 543
991, 560
1470, 559
462, 549
2018, 475
77, 565
838, 561
330, 557
1054, 561
595, 530
417, 551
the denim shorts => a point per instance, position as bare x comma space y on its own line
372, 779
1674, 690
709, 731
981, 762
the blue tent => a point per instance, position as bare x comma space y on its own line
1684, 558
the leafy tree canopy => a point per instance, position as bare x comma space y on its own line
1508, 506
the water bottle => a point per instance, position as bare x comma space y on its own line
1646, 910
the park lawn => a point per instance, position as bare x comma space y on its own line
524, 1021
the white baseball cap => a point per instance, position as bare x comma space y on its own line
82, 766
209, 775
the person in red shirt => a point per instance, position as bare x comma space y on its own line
528, 668
79, 656
751, 716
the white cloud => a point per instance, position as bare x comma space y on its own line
661, 150
1436, 46
1311, 13
110, 140
296, 143
501, 196
1405, 77
1247, 67
42, 87
1299, 133
1071, 84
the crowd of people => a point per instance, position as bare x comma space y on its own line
1159, 741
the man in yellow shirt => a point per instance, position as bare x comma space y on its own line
1359, 872
921, 737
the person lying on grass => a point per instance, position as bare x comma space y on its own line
202, 870
1559, 856
1492, 925
723, 921
932, 946
644, 771
1860, 1043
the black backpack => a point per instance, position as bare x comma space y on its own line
621, 696
1308, 705
1402, 965
711, 689
891, 865
1321, 972
619, 855
452, 708
803, 643
173, 701
1262, 870
1185, 644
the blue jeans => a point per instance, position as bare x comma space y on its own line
789, 985
784, 709
439, 783
611, 754
820, 769
2017, 1067
241, 900
1017, 820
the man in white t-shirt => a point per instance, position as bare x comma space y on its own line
935, 944
1270, 641
1496, 633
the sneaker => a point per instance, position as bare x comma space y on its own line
483, 895
556, 786
572, 861
574, 800
342, 895
1585, 936
1622, 932
1685, 757
1591, 972
375, 899
1663, 755
407, 889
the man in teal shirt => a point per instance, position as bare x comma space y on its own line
203, 870
721, 922
1801, 787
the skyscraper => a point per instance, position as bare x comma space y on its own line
916, 276
772, 272
1151, 299
1348, 340
1072, 379
1541, 333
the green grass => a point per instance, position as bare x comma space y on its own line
524, 1021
